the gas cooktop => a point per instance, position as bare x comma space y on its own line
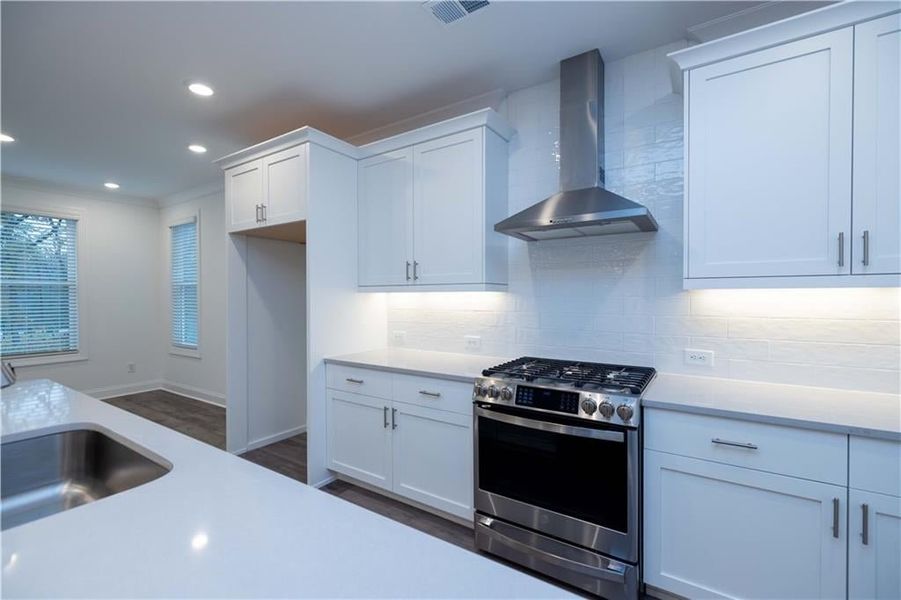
614, 379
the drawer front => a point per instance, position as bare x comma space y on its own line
453, 396
814, 455
875, 465
359, 381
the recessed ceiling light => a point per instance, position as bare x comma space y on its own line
201, 89
6, 138
197, 148
111, 185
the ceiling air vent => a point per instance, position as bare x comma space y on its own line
450, 11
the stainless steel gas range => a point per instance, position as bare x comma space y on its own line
558, 470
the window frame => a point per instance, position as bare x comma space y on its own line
49, 358
175, 349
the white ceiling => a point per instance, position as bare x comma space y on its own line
95, 91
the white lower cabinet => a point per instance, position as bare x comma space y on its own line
719, 531
874, 554
359, 437
408, 448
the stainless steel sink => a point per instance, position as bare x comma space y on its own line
44, 475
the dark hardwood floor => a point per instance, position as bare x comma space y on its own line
206, 422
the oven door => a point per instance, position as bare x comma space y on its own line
564, 477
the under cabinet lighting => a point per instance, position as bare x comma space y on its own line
111, 185
6, 138
197, 148
201, 89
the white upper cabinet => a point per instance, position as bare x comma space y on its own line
876, 247
385, 213
285, 186
244, 195
791, 152
448, 213
428, 201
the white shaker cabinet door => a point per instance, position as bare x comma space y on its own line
244, 195
433, 458
769, 161
385, 213
874, 557
877, 162
718, 531
285, 185
448, 209
359, 437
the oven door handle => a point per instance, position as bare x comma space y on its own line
598, 434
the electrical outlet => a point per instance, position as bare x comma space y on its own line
473, 342
131, 367
701, 358
399, 338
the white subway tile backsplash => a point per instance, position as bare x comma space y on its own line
619, 298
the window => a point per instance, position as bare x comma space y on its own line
183, 284
38, 285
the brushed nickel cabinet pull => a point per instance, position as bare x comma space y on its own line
865, 532
385, 418
841, 249
352, 380
835, 507
408, 271
747, 445
263, 207
415, 270
431, 394
866, 249
258, 212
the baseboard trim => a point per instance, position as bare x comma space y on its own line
324, 482
194, 393
276, 437
112, 391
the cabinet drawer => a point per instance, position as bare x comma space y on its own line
359, 381
454, 396
802, 453
875, 465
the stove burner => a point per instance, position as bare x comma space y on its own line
617, 379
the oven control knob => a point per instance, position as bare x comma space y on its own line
492, 391
606, 409
624, 411
589, 406
506, 393
480, 390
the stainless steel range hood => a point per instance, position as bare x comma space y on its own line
583, 207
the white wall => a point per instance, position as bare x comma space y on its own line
119, 281
201, 376
620, 298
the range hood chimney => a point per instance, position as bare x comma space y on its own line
582, 207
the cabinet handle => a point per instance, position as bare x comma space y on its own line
841, 248
415, 270
408, 270
432, 394
866, 251
385, 417
747, 445
258, 212
865, 532
835, 503
263, 211
393, 418
352, 380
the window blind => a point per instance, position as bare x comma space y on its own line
183, 273
38, 284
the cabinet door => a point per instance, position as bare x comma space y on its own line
769, 162
718, 531
874, 559
877, 176
359, 437
243, 193
285, 186
385, 218
448, 208
433, 458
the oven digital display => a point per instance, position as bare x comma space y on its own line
546, 399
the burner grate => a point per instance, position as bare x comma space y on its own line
618, 378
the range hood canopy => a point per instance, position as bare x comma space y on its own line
583, 207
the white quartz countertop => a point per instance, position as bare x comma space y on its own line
843, 411
444, 365
219, 526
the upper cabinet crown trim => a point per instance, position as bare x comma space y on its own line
287, 140
485, 117
818, 21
